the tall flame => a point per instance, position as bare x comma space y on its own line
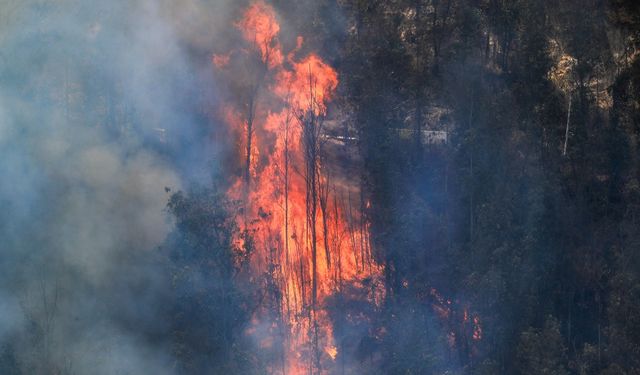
260, 27
309, 238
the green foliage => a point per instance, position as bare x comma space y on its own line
542, 351
212, 301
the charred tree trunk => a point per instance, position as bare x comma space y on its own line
419, 82
311, 121
288, 265
337, 241
250, 118
324, 198
566, 133
312, 209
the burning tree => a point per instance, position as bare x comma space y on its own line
287, 193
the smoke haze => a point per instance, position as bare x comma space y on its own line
97, 103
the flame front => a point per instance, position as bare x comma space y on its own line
260, 27
308, 234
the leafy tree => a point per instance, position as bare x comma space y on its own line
212, 300
542, 351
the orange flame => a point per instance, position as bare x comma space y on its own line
290, 200
221, 61
477, 329
310, 85
260, 27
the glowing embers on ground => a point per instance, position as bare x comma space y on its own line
463, 331
308, 235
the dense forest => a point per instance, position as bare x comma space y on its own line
319, 187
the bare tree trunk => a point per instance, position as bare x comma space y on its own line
311, 122
352, 230
566, 132
337, 242
286, 204
471, 192
303, 294
324, 197
362, 231
250, 118
419, 86
313, 213
438, 31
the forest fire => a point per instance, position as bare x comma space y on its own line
464, 330
287, 187
308, 238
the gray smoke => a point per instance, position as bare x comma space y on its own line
100, 110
